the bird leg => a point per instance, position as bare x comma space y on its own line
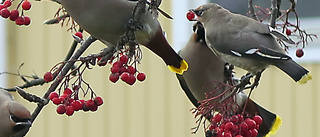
245, 80
256, 81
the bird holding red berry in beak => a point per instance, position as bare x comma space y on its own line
246, 43
14, 117
106, 20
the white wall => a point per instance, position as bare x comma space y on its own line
182, 28
3, 50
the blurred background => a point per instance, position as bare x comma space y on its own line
156, 107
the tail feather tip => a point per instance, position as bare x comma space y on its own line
305, 78
275, 127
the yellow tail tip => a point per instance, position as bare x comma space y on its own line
183, 67
275, 127
305, 78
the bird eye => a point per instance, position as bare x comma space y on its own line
199, 12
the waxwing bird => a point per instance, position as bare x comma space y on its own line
14, 117
106, 20
205, 67
246, 43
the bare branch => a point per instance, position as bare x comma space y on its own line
252, 13
31, 97
274, 13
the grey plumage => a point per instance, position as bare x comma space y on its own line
246, 43
206, 70
106, 20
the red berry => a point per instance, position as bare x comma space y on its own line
69, 110
61, 109
239, 136
98, 101
77, 105
115, 69
227, 134
299, 53
251, 123
56, 101
141, 76
125, 76
218, 131
84, 107
217, 118
26, 5
90, 104
131, 80
222, 126
67, 91
190, 15
123, 69
2, 6
27, 20
247, 133
240, 117
14, 14
20, 20
118, 64
243, 126
7, 3
229, 126
48, 77
82, 101
131, 70
63, 97
5, 13
234, 119
114, 77
53, 95
288, 32
94, 108
254, 132
257, 119
79, 34
124, 59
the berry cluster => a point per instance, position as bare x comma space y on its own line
68, 102
234, 126
14, 15
127, 73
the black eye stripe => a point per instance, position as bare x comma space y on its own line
199, 12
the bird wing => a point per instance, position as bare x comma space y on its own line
245, 37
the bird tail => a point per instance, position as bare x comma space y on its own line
160, 46
295, 71
271, 122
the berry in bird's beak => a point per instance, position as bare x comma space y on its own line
191, 16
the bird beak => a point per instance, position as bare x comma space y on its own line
22, 125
